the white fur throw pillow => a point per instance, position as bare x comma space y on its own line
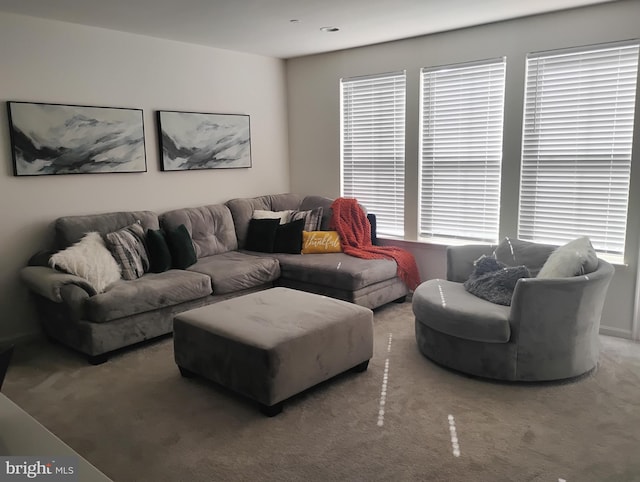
574, 258
90, 259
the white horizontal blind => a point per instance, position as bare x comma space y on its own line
461, 150
372, 146
577, 140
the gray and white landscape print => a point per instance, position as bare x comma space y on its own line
191, 140
67, 139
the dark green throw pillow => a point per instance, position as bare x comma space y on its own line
181, 247
289, 237
158, 249
261, 235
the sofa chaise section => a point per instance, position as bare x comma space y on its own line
367, 282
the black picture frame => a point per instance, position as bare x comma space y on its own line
54, 139
198, 140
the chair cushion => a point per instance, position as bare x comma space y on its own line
447, 307
150, 292
234, 271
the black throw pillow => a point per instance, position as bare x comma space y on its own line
181, 247
41, 258
289, 237
261, 235
374, 228
158, 250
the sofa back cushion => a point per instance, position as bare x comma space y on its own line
242, 210
210, 227
70, 229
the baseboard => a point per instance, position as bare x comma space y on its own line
617, 332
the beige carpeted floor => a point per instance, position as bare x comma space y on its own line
136, 419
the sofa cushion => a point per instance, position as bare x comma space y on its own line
336, 270
210, 227
70, 229
234, 271
150, 292
447, 307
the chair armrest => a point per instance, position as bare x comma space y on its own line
558, 318
460, 260
49, 283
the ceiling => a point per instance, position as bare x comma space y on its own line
265, 27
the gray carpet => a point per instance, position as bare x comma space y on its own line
136, 419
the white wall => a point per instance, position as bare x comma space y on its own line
314, 141
47, 61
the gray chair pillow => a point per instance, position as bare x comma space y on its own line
577, 257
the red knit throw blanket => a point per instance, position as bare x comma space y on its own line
351, 223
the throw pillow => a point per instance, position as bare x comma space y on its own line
374, 229
41, 258
261, 235
183, 254
282, 216
517, 252
317, 242
127, 247
312, 218
289, 237
90, 259
493, 281
574, 258
158, 250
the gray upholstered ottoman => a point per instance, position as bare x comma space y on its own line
273, 344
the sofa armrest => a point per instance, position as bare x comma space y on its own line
49, 283
460, 260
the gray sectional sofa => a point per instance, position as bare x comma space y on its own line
132, 311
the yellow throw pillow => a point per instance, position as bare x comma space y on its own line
317, 242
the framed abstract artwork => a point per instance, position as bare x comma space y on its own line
193, 140
75, 139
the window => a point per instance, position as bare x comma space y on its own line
461, 150
372, 146
577, 139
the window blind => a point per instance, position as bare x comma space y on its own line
372, 146
577, 141
461, 150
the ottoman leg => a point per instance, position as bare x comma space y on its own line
361, 367
271, 410
186, 373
